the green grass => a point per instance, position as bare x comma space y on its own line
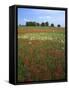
43, 36
40, 27
41, 56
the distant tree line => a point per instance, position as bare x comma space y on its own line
42, 24
30, 23
37, 24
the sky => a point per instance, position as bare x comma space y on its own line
41, 15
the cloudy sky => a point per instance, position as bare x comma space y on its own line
41, 15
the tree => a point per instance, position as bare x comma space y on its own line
58, 25
52, 25
42, 24
46, 24
27, 23
30, 23
37, 24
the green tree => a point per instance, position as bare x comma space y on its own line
58, 25
37, 24
42, 24
46, 24
30, 23
52, 25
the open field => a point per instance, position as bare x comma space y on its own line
41, 53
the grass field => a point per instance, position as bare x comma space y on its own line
41, 53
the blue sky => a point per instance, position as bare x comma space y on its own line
40, 15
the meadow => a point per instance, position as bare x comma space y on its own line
41, 53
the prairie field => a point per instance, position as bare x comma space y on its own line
41, 53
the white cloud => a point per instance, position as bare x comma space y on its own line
41, 17
25, 19
48, 17
45, 17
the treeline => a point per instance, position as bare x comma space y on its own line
38, 24
42, 24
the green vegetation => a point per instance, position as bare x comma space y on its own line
52, 25
41, 53
30, 23
58, 25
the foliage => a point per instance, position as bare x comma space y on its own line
52, 25
46, 24
58, 25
